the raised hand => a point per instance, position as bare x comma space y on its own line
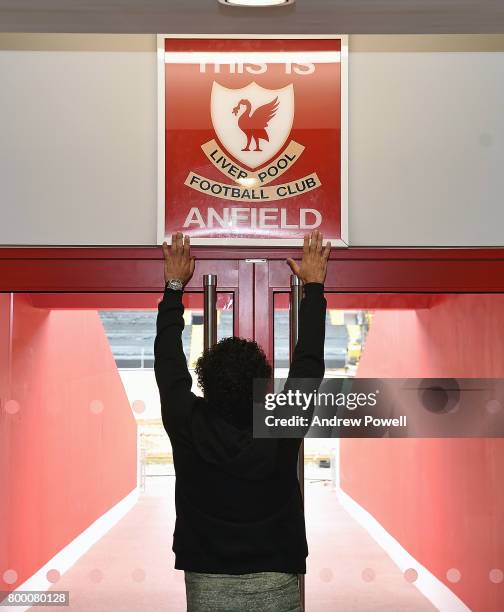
313, 268
178, 261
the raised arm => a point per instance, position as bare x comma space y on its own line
170, 365
307, 367
308, 358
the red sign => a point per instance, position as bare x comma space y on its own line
254, 144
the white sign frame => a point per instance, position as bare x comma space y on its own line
264, 242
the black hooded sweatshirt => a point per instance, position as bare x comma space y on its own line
238, 501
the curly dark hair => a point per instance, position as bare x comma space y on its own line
226, 372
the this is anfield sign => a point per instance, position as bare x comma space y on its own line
252, 139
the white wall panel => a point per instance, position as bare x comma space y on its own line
78, 140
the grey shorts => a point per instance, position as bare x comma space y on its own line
264, 592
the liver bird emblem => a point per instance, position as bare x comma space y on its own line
254, 125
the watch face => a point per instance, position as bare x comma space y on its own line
175, 284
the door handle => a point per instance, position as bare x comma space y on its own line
209, 310
296, 294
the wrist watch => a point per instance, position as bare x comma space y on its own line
174, 283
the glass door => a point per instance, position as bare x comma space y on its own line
86, 468
390, 521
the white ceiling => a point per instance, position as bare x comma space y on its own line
207, 16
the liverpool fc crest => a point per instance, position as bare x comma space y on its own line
253, 123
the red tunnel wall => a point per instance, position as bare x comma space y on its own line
442, 499
4, 440
63, 464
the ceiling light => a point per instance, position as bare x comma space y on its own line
256, 3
